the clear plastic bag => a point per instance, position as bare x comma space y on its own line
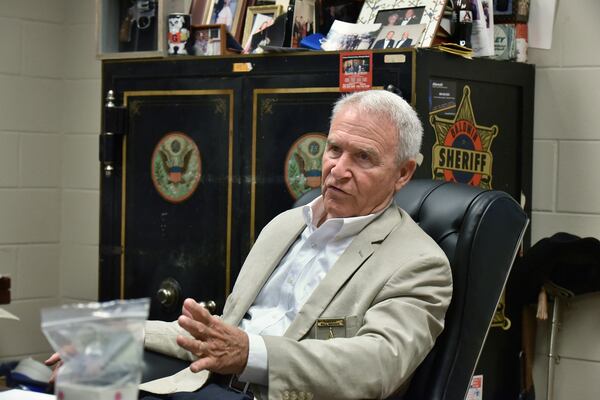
101, 346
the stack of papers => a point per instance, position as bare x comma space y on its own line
16, 394
455, 49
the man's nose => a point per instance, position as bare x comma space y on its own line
341, 169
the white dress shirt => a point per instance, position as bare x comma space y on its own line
293, 281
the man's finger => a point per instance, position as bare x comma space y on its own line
192, 345
197, 312
184, 311
53, 359
57, 365
201, 364
195, 328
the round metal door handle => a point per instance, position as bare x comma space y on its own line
169, 292
210, 305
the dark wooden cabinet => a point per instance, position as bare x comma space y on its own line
201, 156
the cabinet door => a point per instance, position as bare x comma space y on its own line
178, 197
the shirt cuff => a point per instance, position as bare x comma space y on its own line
256, 370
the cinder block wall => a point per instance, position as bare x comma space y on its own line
566, 189
566, 194
49, 119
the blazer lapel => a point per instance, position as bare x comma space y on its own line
261, 262
355, 255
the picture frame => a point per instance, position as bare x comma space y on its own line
303, 21
272, 34
398, 36
431, 12
208, 40
253, 19
227, 12
510, 11
198, 11
329, 11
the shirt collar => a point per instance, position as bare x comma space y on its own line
345, 227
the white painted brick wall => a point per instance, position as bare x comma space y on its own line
567, 141
80, 180
566, 186
49, 121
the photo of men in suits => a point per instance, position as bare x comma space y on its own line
405, 41
346, 286
398, 37
400, 16
386, 43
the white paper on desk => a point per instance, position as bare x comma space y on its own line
6, 315
541, 23
16, 394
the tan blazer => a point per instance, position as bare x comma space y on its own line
391, 288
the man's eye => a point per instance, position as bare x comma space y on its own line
363, 156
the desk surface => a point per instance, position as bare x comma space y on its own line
16, 394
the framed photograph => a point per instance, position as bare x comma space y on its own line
331, 10
347, 36
228, 13
257, 16
198, 11
510, 11
398, 36
304, 21
208, 40
405, 12
400, 16
269, 34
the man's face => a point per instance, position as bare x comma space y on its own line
409, 14
390, 35
360, 168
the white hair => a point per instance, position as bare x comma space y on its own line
388, 106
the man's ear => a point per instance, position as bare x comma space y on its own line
406, 172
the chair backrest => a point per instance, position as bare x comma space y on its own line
480, 231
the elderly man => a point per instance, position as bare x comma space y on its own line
340, 299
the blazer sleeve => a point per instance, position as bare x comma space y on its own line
399, 329
161, 336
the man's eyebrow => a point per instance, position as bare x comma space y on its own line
372, 153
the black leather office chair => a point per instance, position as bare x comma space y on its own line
480, 231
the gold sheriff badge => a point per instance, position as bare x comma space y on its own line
462, 148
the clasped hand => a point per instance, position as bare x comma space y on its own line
220, 347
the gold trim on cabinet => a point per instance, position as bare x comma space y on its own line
229, 92
123, 195
413, 83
